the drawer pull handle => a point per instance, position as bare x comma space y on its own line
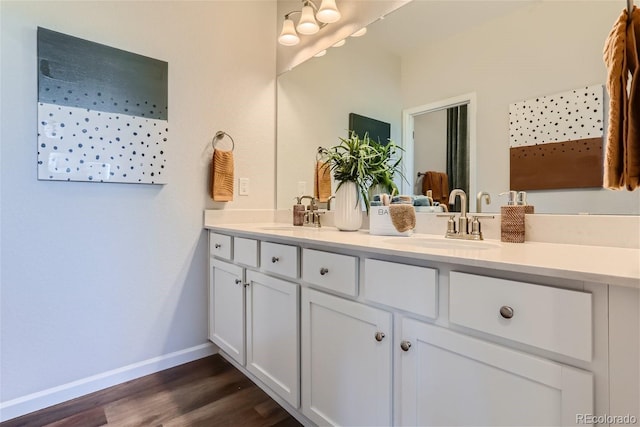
217, 246
238, 281
323, 271
275, 259
506, 312
380, 336
405, 345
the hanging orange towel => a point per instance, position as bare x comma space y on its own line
438, 183
222, 176
322, 182
631, 171
622, 154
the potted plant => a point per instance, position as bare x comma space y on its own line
356, 164
389, 160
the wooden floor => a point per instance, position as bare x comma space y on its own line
207, 392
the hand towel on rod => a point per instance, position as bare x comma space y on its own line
222, 176
622, 153
631, 171
322, 182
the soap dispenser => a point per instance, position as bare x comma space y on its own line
512, 219
298, 212
522, 201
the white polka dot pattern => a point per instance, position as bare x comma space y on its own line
76, 144
567, 116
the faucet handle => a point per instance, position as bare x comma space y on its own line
451, 224
476, 230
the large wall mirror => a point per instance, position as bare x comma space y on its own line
427, 51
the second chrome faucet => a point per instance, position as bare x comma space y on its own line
462, 230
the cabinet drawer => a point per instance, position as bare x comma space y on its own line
553, 319
402, 286
245, 251
330, 271
220, 245
280, 259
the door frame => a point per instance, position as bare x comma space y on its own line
408, 124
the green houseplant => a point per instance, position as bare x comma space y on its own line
360, 163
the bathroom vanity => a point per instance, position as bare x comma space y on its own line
353, 329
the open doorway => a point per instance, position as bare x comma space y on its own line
439, 139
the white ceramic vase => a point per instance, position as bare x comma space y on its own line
348, 210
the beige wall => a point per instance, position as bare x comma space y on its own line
430, 144
97, 277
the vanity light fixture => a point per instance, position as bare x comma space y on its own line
361, 32
311, 20
340, 43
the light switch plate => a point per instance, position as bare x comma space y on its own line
243, 188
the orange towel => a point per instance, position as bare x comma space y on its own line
622, 154
322, 182
222, 176
631, 171
438, 183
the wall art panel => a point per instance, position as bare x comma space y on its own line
102, 112
556, 141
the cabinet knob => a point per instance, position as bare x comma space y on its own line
238, 281
275, 259
405, 345
506, 312
380, 336
217, 246
323, 271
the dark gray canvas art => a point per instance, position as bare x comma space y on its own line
102, 112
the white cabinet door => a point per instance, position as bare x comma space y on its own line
452, 379
226, 308
273, 334
346, 361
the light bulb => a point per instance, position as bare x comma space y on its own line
340, 43
328, 12
307, 24
288, 36
321, 53
361, 32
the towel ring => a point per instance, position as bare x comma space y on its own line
220, 135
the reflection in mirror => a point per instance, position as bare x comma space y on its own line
428, 51
439, 142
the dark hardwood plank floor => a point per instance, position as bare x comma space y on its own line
206, 392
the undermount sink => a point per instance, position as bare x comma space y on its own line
434, 243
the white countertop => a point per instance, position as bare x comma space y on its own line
610, 265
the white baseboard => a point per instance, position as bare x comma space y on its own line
45, 398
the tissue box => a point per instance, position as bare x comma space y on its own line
380, 223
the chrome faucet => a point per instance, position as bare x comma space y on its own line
463, 221
482, 195
462, 231
312, 214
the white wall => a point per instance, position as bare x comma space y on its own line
430, 144
96, 277
544, 48
314, 103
